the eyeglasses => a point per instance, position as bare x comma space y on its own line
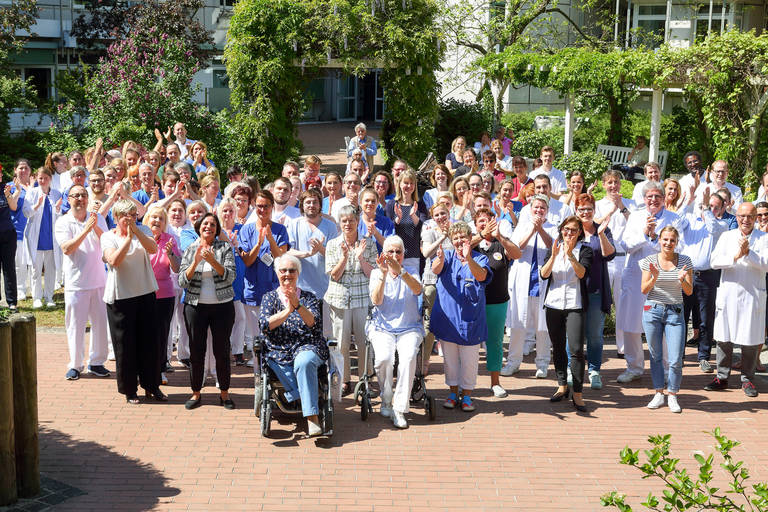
653, 196
585, 210
287, 270
356, 183
745, 217
81, 195
394, 251
570, 230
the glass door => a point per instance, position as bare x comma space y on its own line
380, 106
346, 98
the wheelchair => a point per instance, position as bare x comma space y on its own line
269, 393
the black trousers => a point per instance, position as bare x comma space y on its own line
163, 317
134, 337
8, 264
219, 318
692, 311
567, 324
705, 285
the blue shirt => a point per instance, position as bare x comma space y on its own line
238, 284
385, 226
45, 240
313, 277
143, 197
186, 238
65, 200
458, 315
260, 278
17, 217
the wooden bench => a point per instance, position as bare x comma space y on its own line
618, 155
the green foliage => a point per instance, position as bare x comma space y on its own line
274, 47
23, 145
592, 132
523, 121
458, 118
692, 492
529, 143
592, 165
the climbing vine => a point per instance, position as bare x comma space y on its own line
275, 47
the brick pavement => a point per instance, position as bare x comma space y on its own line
520, 452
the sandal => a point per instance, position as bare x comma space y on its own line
450, 402
466, 404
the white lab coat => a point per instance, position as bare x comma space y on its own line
34, 218
740, 303
629, 310
519, 279
557, 213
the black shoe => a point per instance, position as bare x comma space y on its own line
186, 363
239, 361
98, 371
156, 395
580, 408
559, 395
228, 403
749, 389
193, 403
693, 342
717, 385
168, 368
132, 399
620, 355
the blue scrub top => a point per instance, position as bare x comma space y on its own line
458, 315
260, 278
385, 226
238, 285
17, 217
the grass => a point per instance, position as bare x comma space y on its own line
45, 317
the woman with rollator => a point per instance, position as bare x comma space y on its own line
395, 325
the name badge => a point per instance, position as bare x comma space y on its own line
267, 259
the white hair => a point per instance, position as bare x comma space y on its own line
653, 185
393, 240
361, 125
287, 258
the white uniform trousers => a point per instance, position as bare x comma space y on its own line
252, 329
407, 346
615, 269
178, 331
517, 337
43, 260
22, 271
80, 306
237, 338
460, 362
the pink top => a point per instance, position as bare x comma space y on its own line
161, 266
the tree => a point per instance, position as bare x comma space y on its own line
501, 26
14, 93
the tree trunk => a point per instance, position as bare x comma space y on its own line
616, 119
498, 89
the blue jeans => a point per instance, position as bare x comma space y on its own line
300, 380
594, 332
665, 320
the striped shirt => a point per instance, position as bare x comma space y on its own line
667, 289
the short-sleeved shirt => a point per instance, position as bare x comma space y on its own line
260, 277
351, 290
429, 235
399, 312
497, 290
83, 269
667, 289
134, 276
161, 266
17, 217
385, 226
458, 315
313, 277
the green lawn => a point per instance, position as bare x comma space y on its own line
46, 317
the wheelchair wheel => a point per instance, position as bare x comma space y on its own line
429, 408
266, 418
257, 399
328, 419
365, 406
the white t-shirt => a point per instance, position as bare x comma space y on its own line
134, 276
83, 269
556, 178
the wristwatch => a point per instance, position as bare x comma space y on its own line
623, 210
402, 271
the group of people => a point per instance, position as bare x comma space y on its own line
157, 256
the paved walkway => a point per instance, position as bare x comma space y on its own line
520, 452
326, 140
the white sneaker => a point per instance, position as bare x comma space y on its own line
313, 429
541, 373
20, 296
595, 380
386, 406
658, 401
250, 363
498, 391
398, 419
50, 304
37, 304
672, 403
509, 369
627, 376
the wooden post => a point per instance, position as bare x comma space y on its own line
8, 492
24, 353
570, 125
653, 146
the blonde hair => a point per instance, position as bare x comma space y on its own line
152, 209
410, 175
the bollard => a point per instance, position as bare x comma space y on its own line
8, 493
24, 353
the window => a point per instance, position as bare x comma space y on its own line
41, 78
702, 21
649, 24
227, 3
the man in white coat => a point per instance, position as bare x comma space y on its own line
641, 239
742, 254
78, 233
